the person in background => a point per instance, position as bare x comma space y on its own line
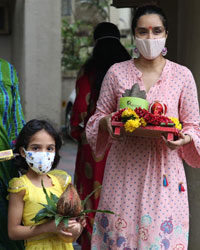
89, 170
150, 214
11, 122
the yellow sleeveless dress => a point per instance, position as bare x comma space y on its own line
35, 195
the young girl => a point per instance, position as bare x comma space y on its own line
38, 147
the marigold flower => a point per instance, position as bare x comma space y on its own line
178, 125
143, 122
131, 125
129, 112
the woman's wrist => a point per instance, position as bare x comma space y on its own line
103, 123
189, 138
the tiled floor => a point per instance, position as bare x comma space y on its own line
68, 156
67, 163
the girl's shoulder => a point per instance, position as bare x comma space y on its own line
18, 184
63, 177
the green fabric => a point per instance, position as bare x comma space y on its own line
11, 122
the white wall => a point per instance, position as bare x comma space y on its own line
41, 64
121, 17
5, 47
18, 46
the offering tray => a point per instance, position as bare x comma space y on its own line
148, 131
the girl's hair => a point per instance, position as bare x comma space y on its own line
24, 137
149, 9
107, 51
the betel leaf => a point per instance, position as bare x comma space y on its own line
66, 222
135, 92
89, 195
87, 211
58, 219
49, 200
48, 208
54, 198
42, 214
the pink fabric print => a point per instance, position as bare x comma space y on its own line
179, 247
120, 224
156, 216
167, 226
143, 233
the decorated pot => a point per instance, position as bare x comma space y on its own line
133, 102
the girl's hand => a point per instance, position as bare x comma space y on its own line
82, 221
105, 125
74, 229
183, 140
52, 228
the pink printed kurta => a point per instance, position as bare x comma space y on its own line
149, 215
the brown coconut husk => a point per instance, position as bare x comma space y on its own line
69, 203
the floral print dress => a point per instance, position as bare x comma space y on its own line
148, 214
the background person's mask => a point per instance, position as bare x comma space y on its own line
150, 48
40, 162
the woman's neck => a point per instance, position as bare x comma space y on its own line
148, 65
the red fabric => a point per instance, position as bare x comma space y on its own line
89, 169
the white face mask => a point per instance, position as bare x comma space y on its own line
40, 162
150, 48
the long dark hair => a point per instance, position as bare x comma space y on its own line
149, 9
107, 51
24, 137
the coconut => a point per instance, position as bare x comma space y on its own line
69, 203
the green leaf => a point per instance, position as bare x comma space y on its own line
42, 214
66, 222
49, 201
58, 219
54, 198
87, 197
48, 208
87, 211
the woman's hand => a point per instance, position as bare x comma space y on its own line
105, 125
183, 140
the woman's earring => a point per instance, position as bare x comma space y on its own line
136, 52
164, 51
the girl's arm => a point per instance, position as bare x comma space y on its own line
16, 231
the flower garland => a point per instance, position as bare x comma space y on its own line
138, 117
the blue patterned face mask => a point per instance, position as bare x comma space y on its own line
40, 162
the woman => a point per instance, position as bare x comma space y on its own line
149, 214
11, 122
89, 169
